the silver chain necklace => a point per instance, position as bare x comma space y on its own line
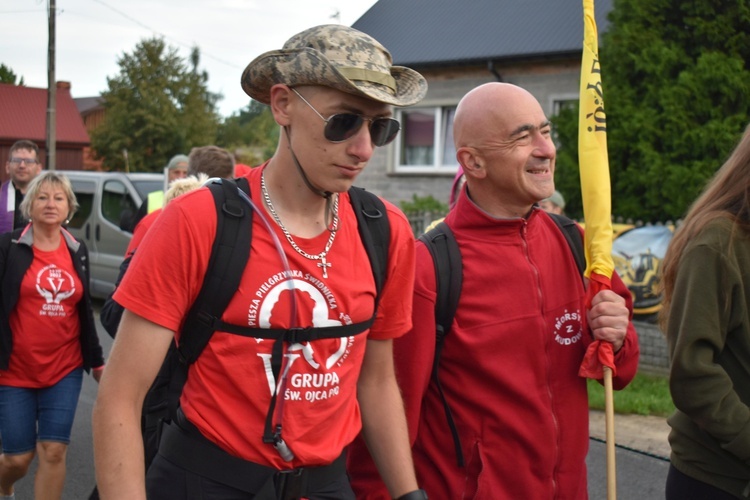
324, 264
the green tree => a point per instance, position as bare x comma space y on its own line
252, 131
157, 106
567, 180
677, 92
7, 75
199, 105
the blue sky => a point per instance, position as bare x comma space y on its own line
92, 34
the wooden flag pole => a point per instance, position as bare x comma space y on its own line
609, 414
597, 209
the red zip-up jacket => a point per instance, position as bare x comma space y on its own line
509, 367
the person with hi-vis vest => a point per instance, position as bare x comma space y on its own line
176, 169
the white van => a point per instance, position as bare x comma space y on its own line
108, 203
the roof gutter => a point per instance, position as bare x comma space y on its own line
491, 69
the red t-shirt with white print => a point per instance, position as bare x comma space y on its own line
229, 387
45, 322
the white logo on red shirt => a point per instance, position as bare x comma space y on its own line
54, 285
323, 385
568, 328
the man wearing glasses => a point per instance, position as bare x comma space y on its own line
22, 166
331, 90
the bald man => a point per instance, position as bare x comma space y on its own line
509, 365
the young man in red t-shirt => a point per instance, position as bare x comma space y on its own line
331, 90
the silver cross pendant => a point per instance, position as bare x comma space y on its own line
323, 264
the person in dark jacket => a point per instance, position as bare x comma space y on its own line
706, 318
22, 166
47, 337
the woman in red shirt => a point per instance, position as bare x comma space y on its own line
47, 337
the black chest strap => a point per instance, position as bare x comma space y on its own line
271, 433
292, 335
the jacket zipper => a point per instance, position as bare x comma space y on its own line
546, 356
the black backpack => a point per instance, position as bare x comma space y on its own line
229, 256
223, 277
446, 256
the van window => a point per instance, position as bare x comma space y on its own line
147, 186
117, 202
84, 192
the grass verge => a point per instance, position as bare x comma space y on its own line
645, 395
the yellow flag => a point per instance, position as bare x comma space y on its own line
595, 186
592, 154
599, 360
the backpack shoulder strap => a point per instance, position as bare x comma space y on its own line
221, 283
375, 232
229, 256
573, 236
446, 256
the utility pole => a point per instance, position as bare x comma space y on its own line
127, 163
51, 91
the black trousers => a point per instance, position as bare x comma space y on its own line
683, 487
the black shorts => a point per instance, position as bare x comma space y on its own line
167, 481
190, 467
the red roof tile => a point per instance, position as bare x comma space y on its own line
23, 115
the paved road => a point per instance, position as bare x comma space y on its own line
639, 476
80, 474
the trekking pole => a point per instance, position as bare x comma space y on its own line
609, 416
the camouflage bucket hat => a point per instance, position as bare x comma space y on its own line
338, 57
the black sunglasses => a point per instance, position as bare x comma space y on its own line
342, 126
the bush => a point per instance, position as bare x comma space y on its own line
424, 204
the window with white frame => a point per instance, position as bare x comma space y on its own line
558, 102
561, 104
425, 144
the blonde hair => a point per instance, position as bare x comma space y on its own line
182, 186
54, 179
